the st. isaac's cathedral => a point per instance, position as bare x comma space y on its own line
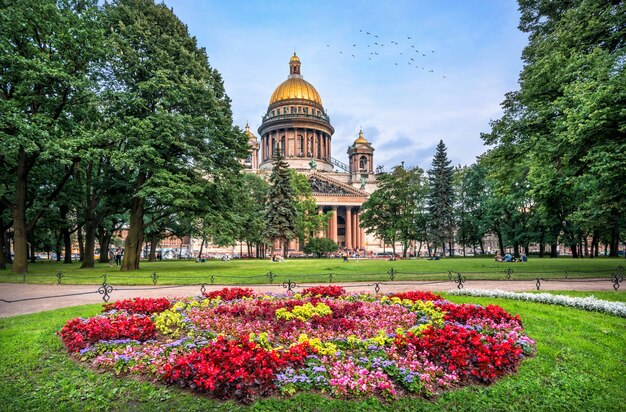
297, 124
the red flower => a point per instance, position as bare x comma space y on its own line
79, 333
140, 305
230, 293
329, 291
233, 368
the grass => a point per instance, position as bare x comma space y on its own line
315, 270
580, 365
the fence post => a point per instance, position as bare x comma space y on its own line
459, 280
271, 275
59, 277
538, 283
289, 285
330, 278
617, 277
392, 273
105, 289
508, 273
155, 278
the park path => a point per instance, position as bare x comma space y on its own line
32, 298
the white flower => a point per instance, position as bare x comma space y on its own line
589, 303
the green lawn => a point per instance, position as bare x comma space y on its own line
315, 270
580, 364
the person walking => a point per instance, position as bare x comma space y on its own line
111, 257
118, 256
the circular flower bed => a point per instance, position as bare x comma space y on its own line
235, 344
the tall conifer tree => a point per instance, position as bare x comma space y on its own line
281, 213
441, 198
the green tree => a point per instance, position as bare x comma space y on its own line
471, 206
170, 116
47, 49
281, 213
567, 119
252, 198
308, 222
382, 209
441, 199
320, 246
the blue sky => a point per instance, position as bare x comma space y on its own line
404, 111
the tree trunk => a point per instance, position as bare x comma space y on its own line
482, 247
90, 243
81, 243
541, 249
3, 246
134, 239
67, 243
154, 242
31, 245
574, 250
554, 250
201, 247
20, 261
516, 249
500, 242
614, 245
105, 243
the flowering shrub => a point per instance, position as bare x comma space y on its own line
327, 291
417, 295
463, 313
79, 333
237, 367
348, 346
230, 293
140, 305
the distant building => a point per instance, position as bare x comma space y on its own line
297, 124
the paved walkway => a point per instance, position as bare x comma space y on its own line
32, 298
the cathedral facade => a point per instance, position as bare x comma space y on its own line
297, 125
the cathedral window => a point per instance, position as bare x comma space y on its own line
306, 110
293, 109
285, 110
363, 163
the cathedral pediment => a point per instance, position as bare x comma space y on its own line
323, 185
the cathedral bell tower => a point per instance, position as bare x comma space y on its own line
361, 159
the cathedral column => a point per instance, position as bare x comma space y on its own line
355, 230
329, 229
361, 231
348, 227
333, 232
328, 154
320, 211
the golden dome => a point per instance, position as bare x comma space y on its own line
249, 133
361, 139
296, 89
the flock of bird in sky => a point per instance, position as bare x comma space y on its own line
375, 46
